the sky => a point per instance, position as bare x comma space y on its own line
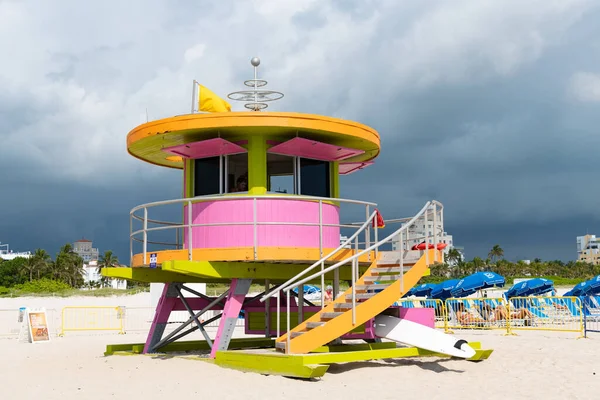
490, 107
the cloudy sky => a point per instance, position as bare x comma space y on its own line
491, 107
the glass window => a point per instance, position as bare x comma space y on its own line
314, 178
237, 173
206, 176
280, 174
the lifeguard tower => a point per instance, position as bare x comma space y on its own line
261, 206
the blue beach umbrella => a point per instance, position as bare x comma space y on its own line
592, 287
530, 287
423, 290
477, 281
308, 289
442, 290
577, 289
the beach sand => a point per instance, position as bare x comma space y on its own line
536, 365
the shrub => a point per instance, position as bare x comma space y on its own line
43, 285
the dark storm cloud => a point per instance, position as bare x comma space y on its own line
472, 102
48, 215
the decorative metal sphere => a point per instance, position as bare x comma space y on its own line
255, 61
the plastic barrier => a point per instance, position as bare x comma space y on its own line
10, 325
548, 313
476, 313
552, 313
591, 314
92, 318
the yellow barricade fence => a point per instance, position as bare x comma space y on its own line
437, 305
552, 313
92, 318
549, 313
480, 313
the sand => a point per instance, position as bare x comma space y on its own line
544, 365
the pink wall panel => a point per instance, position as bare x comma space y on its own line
268, 210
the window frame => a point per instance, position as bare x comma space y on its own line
298, 171
224, 174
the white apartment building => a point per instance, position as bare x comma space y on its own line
416, 235
91, 275
7, 254
588, 249
90, 255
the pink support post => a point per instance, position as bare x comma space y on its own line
235, 299
166, 304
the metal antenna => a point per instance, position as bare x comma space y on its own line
257, 98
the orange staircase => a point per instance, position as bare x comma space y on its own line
389, 275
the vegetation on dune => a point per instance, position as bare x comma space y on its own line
63, 276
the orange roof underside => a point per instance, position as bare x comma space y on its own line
147, 140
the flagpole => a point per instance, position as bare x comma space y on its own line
193, 95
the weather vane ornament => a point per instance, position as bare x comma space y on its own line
256, 98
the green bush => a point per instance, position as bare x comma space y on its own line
43, 285
4, 291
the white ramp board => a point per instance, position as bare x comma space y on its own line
417, 335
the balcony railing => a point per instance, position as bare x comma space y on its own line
140, 214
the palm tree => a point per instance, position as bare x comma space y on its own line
496, 253
453, 257
68, 266
28, 268
107, 260
41, 261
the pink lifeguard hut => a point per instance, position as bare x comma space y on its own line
261, 206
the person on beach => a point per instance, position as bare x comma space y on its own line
328, 294
465, 317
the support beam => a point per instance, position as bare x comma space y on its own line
267, 310
168, 339
191, 312
257, 164
165, 305
336, 283
300, 304
235, 299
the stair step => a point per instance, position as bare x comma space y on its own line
361, 296
393, 257
388, 270
372, 287
342, 306
331, 315
381, 278
313, 325
296, 334
280, 345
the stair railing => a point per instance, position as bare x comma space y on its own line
355, 260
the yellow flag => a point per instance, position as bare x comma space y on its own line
208, 101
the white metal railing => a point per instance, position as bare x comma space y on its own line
321, 262
166, 225
429, 209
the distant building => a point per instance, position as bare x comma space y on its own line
588, 249
416, 234
343, 239
7, 254
91, 275
90, 255
84, 249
